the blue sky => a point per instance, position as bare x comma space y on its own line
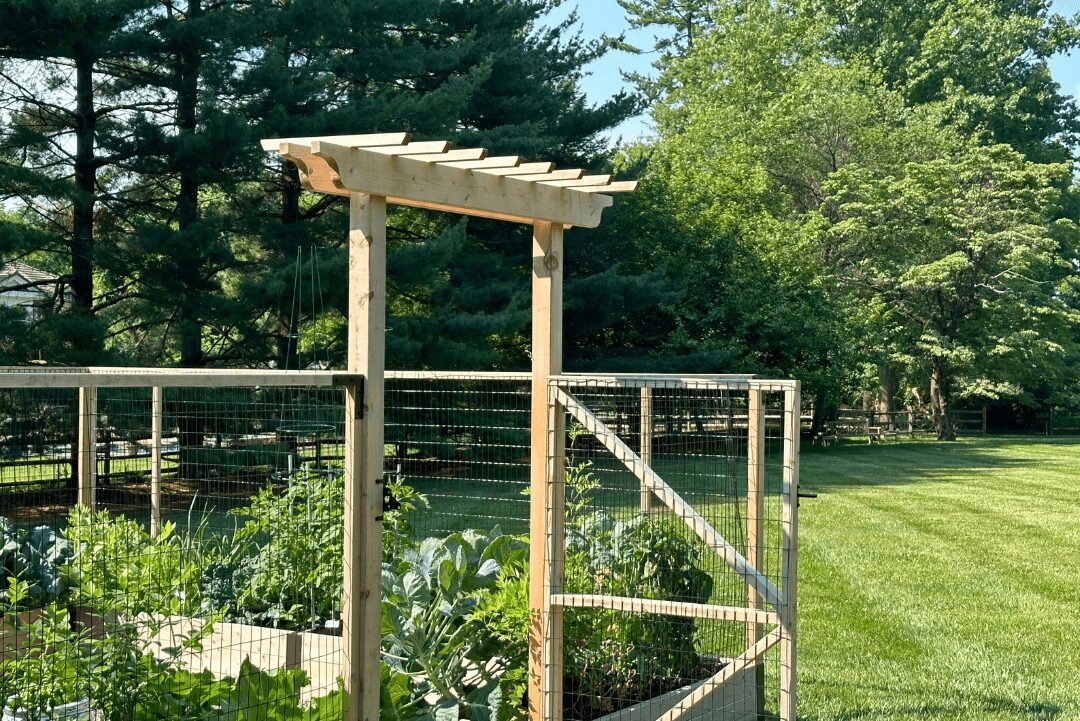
605, 16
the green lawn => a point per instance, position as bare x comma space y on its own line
937, 581
941, 581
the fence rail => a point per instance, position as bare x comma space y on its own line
877, 425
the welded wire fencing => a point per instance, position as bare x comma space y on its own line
173, 544
172, 550
673, 582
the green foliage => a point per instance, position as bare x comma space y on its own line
33, 564
37, 682
773, 105
504, 616
284, 565
184, 238
627, 657
118, 567
631, 656
432, 638
294, 576
962, 255
253, 695
59, 665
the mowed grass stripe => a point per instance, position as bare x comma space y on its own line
939, 581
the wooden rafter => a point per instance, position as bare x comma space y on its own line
431, 174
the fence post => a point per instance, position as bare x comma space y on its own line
984, 420
88, 447
157, 404
646, 443
789, 541
545, 624
106, 460
363, 466
755, 519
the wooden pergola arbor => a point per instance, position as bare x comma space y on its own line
373, 170
376, 169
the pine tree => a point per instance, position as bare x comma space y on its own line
55, 87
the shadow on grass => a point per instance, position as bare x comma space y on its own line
989, 707
916, 461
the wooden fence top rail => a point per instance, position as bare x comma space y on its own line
704, 381
138, 377
434, 175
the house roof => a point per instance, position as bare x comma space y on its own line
431, 174
15, 273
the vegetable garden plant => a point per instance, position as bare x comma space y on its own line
454, 609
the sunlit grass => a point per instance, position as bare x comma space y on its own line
941, 581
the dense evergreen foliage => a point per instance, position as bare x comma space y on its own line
878, 199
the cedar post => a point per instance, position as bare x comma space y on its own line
88, 447
157, 405
646, 443
546, 477
789, 541
361, 607
755, 520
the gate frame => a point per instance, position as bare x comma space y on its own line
761, 593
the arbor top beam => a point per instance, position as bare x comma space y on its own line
433, 175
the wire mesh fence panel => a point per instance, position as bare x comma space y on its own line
186, 561
38, 452
176, 551
461, 440
672, 551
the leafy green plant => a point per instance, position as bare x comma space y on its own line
286, 567
124, 682
504, 616
117, 564
33, 564
636, 656
49, 671
253, 695
433, 646
292, 575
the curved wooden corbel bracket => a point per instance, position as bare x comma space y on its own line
317, 173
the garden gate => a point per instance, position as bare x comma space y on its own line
703, 490
389, 168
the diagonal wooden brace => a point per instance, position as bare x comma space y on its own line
739, 663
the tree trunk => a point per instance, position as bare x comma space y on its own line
887, 385
82, 221
288, 352
940, 400
188, 63
824, 409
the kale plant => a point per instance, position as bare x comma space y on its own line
33, 564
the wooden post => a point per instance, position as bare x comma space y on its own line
789, 541
545, 627
157, 407
755, 520
984, 420
363, 464
88, 447
106, 459
646, 443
